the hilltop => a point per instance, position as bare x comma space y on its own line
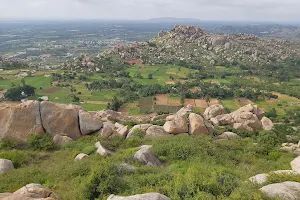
193, 45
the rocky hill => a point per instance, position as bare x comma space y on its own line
192, 45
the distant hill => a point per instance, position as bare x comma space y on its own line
275, 30
174, 20
192, 45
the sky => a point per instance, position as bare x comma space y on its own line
254, 10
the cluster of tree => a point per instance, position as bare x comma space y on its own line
64, 76
12, 65
20, 92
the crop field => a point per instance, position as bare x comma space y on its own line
162, 74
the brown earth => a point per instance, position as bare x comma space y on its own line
161, 99
201, 103
50, 90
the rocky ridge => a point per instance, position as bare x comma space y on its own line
192, 44
66, 123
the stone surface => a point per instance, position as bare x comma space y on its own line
267, 124
61, 119
89, 122
60, 140
6, 165
122, 131
259, 179
295, 164
156, 131
197, 125
31, 192
17, 122
148, 196
127, 168
81, 156
178, 124
285, 190
107, 130
213, 111
103, 151
146, 157
227, 136
142, 127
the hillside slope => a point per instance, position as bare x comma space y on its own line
192, 45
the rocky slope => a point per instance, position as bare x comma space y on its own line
193, 45
66, 123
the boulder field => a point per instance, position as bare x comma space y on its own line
70, 122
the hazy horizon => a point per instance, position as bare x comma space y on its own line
231, 10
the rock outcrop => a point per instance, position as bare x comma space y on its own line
262, 178
178, 123
156, 131
81, 156
18, 122
227, 136
103, 151
30, 192
89, 123
197, 125
295, 164
285, 191
214, 111
6, 165
60, 140
267, 124
148, 196
61, 119
246, 118
146, 157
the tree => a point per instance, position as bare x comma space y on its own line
115, 104
19, 93
150, 76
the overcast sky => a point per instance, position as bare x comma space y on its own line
262, 10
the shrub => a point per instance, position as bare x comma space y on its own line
159, 122
41, 142
268, 139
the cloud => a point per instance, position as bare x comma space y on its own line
143, 9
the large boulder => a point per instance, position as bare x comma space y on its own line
107, 130
6, 165
213, 111
89, 122
221, 120
61, 119
179, 123
81, 156
295, 164
197, 125
122, 131
227, 136
156, 131
244, 120
146, 157
148, 196
30, 192
267, 124
285, 191
17, 122
142, 127
103, 151
60, 140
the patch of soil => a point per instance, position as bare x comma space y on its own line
201, 103
50, 90
189, 102
214, 102
161, 99
174, 103
97, 102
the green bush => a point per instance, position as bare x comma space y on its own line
268, 139
41, 142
